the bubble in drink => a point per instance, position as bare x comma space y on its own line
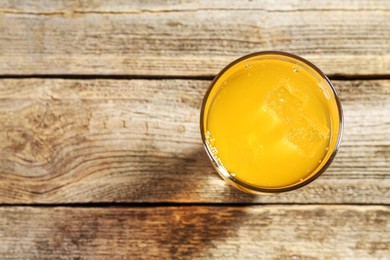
296, 68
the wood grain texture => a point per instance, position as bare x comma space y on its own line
191, 38
77, 141
257, 232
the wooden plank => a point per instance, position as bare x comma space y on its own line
189, 38
272, 232
73, 141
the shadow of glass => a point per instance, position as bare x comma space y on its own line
202, 210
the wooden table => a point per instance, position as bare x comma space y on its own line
100, 152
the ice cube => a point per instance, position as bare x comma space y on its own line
307, 135
284, 101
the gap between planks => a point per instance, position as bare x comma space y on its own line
170, 77
178, 204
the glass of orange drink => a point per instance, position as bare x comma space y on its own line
271, 122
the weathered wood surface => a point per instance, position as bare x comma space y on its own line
72, 141
189, 38
256, 232
132, 141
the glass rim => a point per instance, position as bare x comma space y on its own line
261, 190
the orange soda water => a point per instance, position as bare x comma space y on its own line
271, 122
